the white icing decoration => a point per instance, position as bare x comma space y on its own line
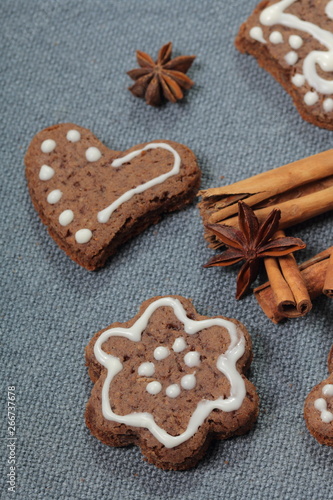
161, 353
179, 344
93, 154
188, 381
257, 34
192, 358
328, 105
83, 235
328, 390
311, 98
321, 405
154, 387
226, 364
291, 58
66, 217
274, 14
276, 37
298, 80
48, 146
329, 9
172, 391
295, 42
73, 136
105, 214
46, 173
54, 196
146, 369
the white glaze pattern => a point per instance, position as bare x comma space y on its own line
73, 136
146, 369
105, 214
54, 196
179, 344
48, 146
276, 37
320, 404
154, 387
172, 391
226, 364
93, 154
83, 235
257, 34
275, 15
192, 358
161, 352
66, 217
46, 173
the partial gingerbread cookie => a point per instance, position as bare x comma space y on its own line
293, 40
318, 408
93, 199
170, 380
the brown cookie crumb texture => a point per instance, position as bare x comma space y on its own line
271, 56
128, 392
88, 187
322, 431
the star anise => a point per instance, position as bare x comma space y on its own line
164, 78
251, 242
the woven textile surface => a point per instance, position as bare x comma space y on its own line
66, 61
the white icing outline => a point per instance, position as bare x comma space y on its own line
104, 215
226, 364
321, 405
274, 14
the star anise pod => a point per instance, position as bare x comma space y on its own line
251, 242
163, 79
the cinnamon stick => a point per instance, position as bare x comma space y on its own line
288, 287
302, 189
313, 273
328, 284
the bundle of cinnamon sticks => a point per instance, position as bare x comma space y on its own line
301, 190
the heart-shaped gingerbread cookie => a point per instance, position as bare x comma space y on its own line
318, 408
93, 199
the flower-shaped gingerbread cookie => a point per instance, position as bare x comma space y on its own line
318, 408
93, 199
170, 380
293, 40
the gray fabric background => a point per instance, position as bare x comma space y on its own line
65, 61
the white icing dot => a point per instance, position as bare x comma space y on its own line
311, 98
54, 196
328, 105
291, 58
320, 404
329, 9
192, 358
179, 344
66, 217
83, 235
46, 173
295, 41
93, 154
154, 387
146, 369
326, 416
48, 146
73, 136
161, 353
257, 34
188, 382
173, 391
298, 80
328, 390
275, 37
